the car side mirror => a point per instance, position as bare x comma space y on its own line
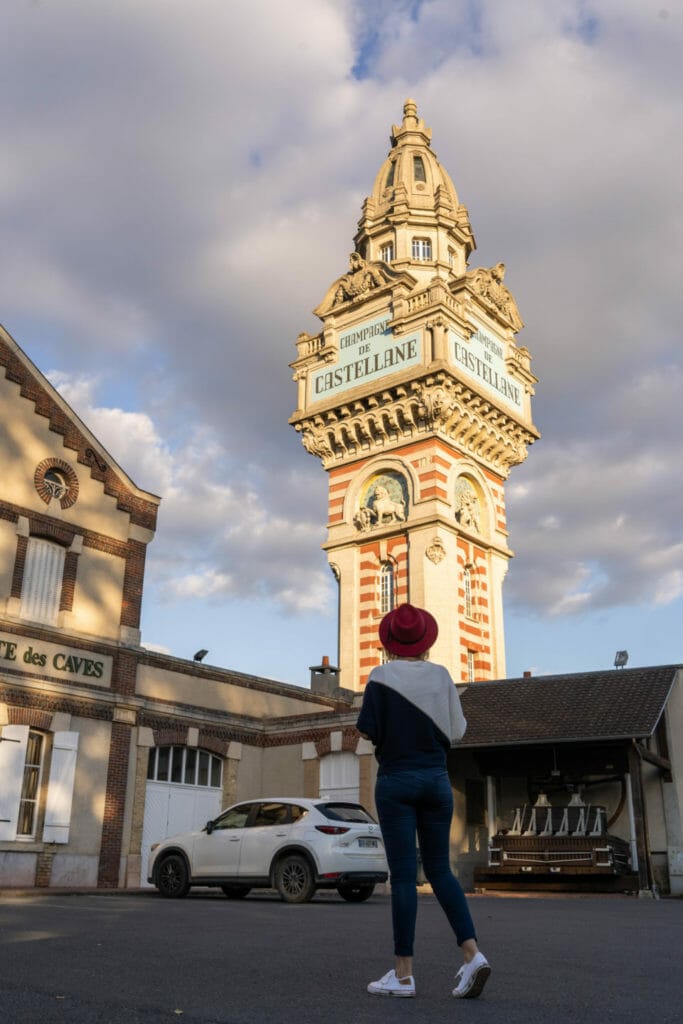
209, 827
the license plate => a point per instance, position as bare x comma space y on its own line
368, 842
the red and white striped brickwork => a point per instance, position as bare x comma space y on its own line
435, 467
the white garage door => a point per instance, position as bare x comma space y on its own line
188, 793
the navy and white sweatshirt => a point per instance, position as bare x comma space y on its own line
412, 714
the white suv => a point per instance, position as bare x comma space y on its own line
293, 845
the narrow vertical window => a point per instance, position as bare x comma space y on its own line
30, 789
386, 587
470, 666
422, 249
467, 588
42, 584
390, 176
386, 252
419, 173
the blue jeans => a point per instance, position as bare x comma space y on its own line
411, 803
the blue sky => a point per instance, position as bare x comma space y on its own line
181, 184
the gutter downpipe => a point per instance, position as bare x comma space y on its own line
631, 822
654, 891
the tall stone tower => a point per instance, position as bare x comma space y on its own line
417, 400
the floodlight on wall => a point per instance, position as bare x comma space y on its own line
200, 655
620, 659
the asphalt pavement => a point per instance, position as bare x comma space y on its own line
122, 958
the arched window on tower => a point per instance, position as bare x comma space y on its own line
387, 587
419, 173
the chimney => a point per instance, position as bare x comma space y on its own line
324, 677
527, 674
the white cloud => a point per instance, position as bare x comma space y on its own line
216, 540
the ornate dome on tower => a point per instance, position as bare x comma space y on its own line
413, 217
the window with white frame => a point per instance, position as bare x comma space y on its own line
467, 588
185, 766
387, 587
30, 788
470, 666
41, 588
23, 766
422, 249
386, 252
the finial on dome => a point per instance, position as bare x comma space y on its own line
410, 112
412, 129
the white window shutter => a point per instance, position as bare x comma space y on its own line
60, 788
339, 777
13, 744
42, 586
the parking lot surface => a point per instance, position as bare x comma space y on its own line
140, 959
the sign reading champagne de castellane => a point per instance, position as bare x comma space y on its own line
483, 358
366, 353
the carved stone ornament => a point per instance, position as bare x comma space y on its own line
362, 278
436, 552
316, 443
467, 505
488, 283
437, 404
383, 502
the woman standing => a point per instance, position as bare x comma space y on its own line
411, 712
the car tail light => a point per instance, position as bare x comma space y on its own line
332, 830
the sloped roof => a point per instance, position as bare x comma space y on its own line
87, 450
617, 704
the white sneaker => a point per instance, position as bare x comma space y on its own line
472, 977
390, 985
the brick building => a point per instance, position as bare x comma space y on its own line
105, 746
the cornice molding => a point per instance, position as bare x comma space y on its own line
436, 404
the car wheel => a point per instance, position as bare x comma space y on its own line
294, 879
172, 878
236, 892
355, 893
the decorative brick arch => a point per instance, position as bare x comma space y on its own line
350, 739
173, 736
70, 495
323, 746
31, 717
215, 745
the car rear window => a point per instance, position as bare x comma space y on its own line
345, 812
